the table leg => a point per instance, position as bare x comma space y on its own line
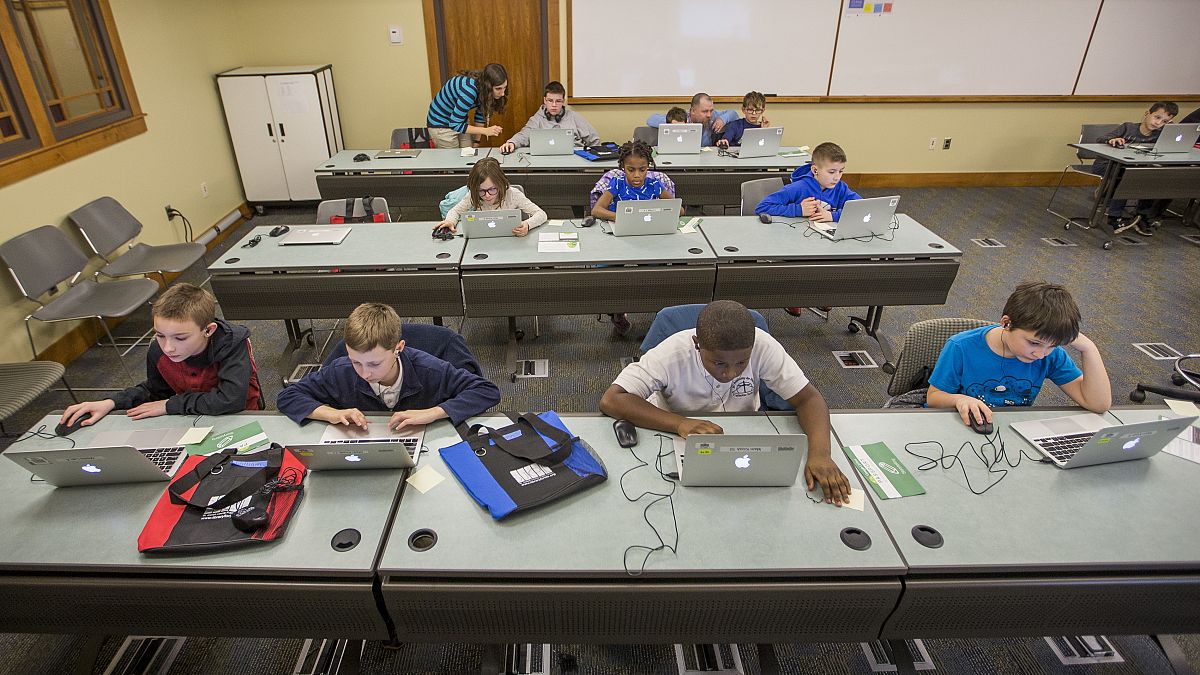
870, 323
85, 664
296, 334
902, 658
491, 661
510, 352
1174, 654
768, 661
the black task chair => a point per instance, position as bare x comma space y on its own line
1181, 377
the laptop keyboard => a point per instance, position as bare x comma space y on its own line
163, 458
1063, 448
409, 442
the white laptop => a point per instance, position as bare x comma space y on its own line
1172, 138
679, 139
551, 141
397, 153
1084, 440
759, 143
740, 460
314, 235
480, 224
646, 216
70, 467
346, 447
860, 218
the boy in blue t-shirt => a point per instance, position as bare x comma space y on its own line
754, 105
817, 191
1005, 365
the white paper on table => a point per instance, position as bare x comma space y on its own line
547, 236
194, 435
1186, 445
558, 247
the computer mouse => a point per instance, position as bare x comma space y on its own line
362, 157
764, 218
68, 429
249, 518
626, 433
278, 230
980, 426
589, 221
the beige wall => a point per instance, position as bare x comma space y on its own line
174, 48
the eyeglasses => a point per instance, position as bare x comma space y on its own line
485, 192
754, 110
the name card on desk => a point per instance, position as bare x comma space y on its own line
883, 471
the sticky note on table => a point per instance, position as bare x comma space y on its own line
690, 226
425, 479
547, 236
194, 435
857, 500
1182, 408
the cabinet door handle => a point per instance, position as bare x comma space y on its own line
282, 133
270, 131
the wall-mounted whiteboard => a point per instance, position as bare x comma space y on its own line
633, 48
963, 47
920, 48
1143, 47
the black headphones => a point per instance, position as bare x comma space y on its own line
554, 118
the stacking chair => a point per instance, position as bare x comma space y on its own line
43, 258
922, 345
337, 207
753, 192
106, 226
671, 320
24, 382
1088, 133
410, 137
647, 134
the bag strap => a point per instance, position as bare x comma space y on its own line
368, 212
535, 451
349, 209
247, 487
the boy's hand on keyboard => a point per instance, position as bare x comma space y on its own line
349, 417
821, 216
967, 404
147, 410
690, 426
407, 419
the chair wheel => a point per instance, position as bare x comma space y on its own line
1177, 379
512, 377
852, 327
1107, 246
889, 369
1137, 396
520, 334
1067, 226
312, 342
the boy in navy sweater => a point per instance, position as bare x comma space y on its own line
816, 192
380, 374
754, 107
197, 365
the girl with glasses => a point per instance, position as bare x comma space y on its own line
488, 190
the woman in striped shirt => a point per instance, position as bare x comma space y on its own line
484, 90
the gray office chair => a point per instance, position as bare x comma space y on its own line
922, 345
753, 192
337, 207
1088, 133
43, 258
24, 382
647, 134
411, 137
106, 226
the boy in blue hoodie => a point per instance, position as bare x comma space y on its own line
380, 374
816, 192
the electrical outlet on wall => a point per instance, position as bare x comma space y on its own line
933, 143
946, 144
204, 189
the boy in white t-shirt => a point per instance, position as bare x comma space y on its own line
716, 367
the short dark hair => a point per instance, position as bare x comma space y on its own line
725, 325
677, 114
555, 87
829, 152
754, 99
1169, 106
698, 98
1048, 310
635, 148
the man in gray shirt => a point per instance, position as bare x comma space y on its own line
554, 115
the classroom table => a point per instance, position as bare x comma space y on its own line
398, 264
69, 561
1110, 549
1132, 174
785, 264
753, 564
559, 180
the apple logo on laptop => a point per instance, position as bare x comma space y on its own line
867, 218
742, 462
551, 141
492, 224
1179, 138
647, 218
90, 468
679, 138
353, 458
762, 142
1132, 444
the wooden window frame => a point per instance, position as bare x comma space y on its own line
79, 138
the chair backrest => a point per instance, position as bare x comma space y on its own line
753, 192
337, 207
1091, 133
438, 341
105, 224
646, 134
41, 259
411, 137
922, 345
671, 320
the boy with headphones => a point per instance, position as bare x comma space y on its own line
197, 365
716, 367
554, 115
380, 374
1006, 365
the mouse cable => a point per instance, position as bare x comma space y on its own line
1118, 419
41, 432
658, 497
991, 461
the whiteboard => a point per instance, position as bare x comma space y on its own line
640, 48
963, 47
1144, 48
